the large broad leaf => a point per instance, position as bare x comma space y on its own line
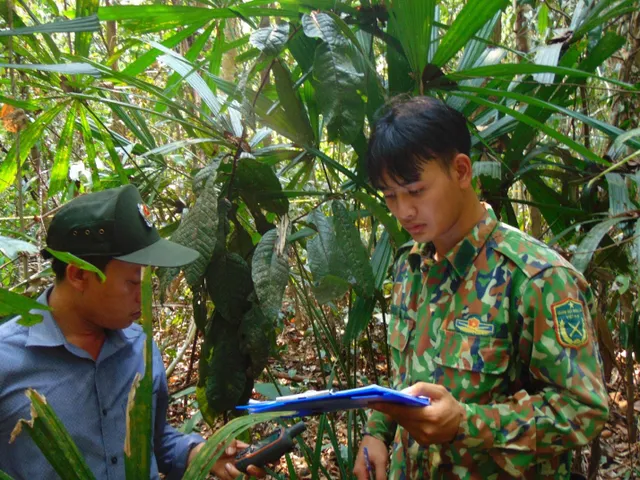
60, 169
259, 186
270, 273
293, 106
619, 201
11, 247
28, 138
229, 284
52, 438
83, 24
590, 242
138, 442
256, 335
198, 231
270, 40
348, 238
328, 287
15, 304
226, 381
339, 78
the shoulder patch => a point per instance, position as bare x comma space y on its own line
569, 323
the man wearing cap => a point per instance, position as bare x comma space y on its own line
87, 350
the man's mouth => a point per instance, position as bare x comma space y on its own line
413, 229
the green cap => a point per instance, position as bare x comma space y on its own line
114, 223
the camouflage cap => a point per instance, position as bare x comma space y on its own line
114, 223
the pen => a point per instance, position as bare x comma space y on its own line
368, 464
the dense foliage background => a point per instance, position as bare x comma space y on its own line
244, 125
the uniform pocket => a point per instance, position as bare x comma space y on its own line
401, 328
472, 353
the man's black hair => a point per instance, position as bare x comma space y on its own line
411, 133
59, 267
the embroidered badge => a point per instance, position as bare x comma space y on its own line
145, 213
568, 320
474, 325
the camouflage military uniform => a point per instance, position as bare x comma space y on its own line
503, 322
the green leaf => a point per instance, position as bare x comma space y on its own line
85, 8
543, 19
359, 317
138, 441
381, 259
293, 107
590, 242
153, 18
90, 149
270, 40
11, 247
412, 23
16, 304
53, 439
259, 186
28, 137
473, 16
270, 273
339, 78
256, 335
198, 231
532, 122
226, 382
60, 169
143, 61
383, 216
328, 287
73, 68
487, 169
271, 391
4, 476
619, 201
71, 259
229, 285
83, 24
348, 238
203, 462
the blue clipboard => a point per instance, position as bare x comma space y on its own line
316, 403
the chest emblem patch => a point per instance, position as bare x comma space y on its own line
474, 325
568, 320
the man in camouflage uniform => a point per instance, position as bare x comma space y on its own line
490, 323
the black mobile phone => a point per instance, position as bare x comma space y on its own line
270, 449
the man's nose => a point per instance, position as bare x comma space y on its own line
406, 209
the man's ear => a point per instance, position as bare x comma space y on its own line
462, 169
77, 277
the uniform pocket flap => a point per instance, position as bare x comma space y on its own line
474, 353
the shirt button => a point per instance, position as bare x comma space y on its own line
114, 460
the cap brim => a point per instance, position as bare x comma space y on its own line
162, 253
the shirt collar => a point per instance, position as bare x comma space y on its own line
463, 254
46, 333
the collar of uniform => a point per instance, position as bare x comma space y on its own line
46, 333
462, 255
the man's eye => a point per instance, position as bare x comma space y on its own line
389, 195
416, 192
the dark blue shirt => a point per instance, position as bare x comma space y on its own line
90, 397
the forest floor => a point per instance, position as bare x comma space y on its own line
297, 367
